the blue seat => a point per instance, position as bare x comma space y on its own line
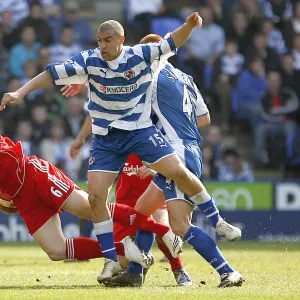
293, 158
132, 23
235, 105
208, 73
162, 26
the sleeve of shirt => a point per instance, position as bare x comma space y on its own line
201, 108
154, 51
72, 71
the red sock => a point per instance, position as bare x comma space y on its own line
85, 248
128, 216
176, 263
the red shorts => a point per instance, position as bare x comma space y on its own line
44, 192
120, 232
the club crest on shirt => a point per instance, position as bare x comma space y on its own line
129, 74
91, 160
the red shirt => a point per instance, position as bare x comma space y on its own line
12, 168
130, 187
276, 101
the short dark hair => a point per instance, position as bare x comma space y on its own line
112, 25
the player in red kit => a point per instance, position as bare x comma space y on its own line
131, 184
39, 191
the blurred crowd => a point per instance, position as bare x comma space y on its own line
32, 35
245, 60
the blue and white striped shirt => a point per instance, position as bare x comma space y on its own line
117, 90
177, 103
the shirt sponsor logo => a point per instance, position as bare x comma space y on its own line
130, 170
118, 89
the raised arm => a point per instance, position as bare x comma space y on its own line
151, 52
181, 34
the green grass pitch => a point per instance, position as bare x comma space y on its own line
272, 271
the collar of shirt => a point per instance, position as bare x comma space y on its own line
113, 64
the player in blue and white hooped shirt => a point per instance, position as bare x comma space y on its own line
118, 80
180, 109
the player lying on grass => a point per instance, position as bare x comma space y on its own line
38, 191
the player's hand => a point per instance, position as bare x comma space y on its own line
76, 148
144, 172
71, 90
194, 20
10, 98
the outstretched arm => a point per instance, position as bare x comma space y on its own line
181, 35
39, 82
72, 71
151, 52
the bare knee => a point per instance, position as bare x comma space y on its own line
179, 173
180, 228
96, 198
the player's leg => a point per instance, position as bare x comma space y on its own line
90, 207
78, 204
153, 199
180, 213
149, 202
151, 146
51, 239
191, 155
104, 165
130, 217
99, 184
181, 276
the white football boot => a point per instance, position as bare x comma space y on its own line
133, 253
173, 242
231, 279
230, 232
111, 268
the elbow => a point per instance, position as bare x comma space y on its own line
204, 121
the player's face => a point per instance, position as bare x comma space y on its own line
110, 45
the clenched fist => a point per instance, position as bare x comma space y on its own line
194, 20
